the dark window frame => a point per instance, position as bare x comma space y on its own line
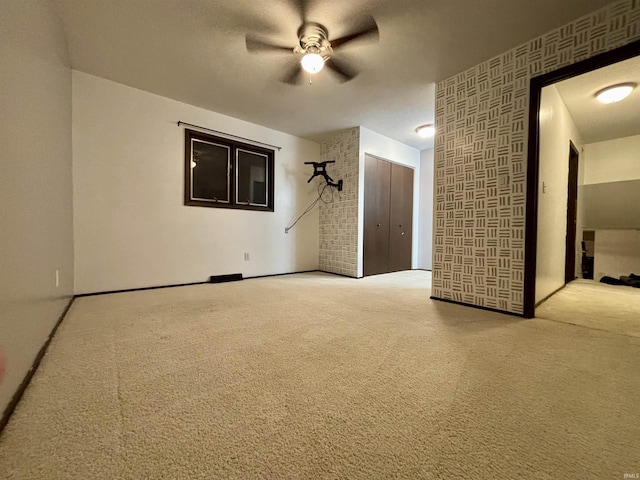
232, 180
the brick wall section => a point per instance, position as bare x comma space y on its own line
339, 219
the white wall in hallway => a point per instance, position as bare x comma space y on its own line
557, 129
426, 210
617, 253
612, 161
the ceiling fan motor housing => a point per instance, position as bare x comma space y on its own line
313, 38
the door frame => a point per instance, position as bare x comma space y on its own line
572, 215
533, 155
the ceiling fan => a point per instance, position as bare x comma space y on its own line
314, 49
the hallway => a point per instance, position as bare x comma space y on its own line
591, 304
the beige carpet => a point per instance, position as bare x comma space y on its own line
316, 376
592, 304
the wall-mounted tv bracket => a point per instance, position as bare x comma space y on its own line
320, 168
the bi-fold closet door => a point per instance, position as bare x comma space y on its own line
388, 216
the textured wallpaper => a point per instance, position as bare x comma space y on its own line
480, 158
339, 219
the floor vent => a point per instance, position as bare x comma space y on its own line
225, 278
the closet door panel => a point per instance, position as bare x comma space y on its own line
401, 218
377, 184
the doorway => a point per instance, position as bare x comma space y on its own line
535, 185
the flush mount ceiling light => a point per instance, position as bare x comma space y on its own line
615, 93
426, 131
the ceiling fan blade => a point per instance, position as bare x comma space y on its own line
302, 8
255, 45
294, 76
369, 31
342, 71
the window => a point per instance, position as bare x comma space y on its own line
225, 173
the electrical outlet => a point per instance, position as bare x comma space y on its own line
247, 257
57, 278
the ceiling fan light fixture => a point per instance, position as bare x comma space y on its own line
615, 93
312, 62
426, 131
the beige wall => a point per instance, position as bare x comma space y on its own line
481, 158
426, 210
611, 189
131, 227
616, 253
557, 129
35, 183
612, 183
612, 161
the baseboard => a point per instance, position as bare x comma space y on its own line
8, 411
217, 279
80, 295
339, 274
488, 309
549, 296
282, 274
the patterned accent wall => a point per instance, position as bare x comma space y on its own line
339, 219
480, 158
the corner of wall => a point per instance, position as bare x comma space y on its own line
36, 245
339, 218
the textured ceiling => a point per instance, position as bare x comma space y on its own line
194, 51
597, 122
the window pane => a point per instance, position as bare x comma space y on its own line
209, 171
252, 177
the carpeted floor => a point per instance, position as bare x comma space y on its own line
592, 304
315, 376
